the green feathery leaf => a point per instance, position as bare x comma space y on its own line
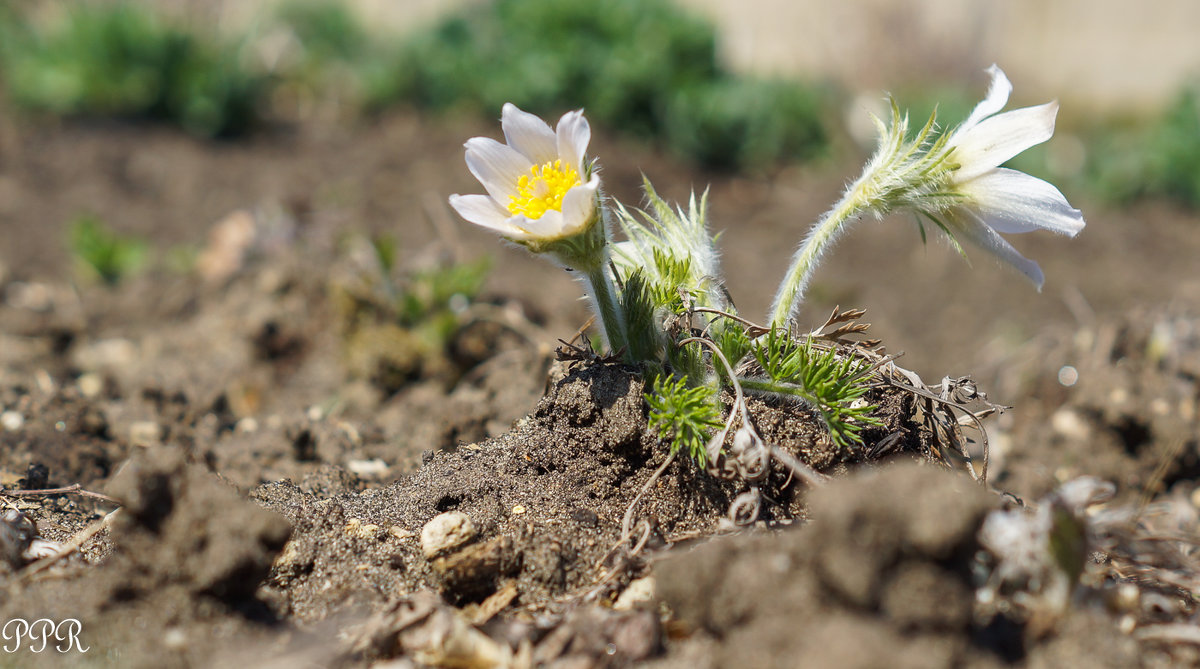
828, 382
686, 416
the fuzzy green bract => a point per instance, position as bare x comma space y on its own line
669, 267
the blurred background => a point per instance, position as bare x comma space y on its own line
132, 129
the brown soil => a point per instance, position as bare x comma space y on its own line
274, 488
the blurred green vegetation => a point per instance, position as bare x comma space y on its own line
123, 60
102, 254
402, 323
1159, 158
643, 67
746, 124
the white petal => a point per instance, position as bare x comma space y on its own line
998, 138
997, 97
574, 133
968, 225
548, 226
1010, 201
496, 166
579, 205
528, 134
482, 210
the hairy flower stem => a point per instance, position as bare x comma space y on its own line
791, 291
775, 387
603, 294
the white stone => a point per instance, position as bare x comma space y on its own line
106, 354
445, 532
368, 468
247, 425
91, 385
145, 433
12, 420
1070, 424
640, 591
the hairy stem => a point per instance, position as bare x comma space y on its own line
819, 239
778, 387
603, 294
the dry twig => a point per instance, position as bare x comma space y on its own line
73, 489
71, 546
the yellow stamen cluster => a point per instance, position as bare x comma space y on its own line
543, 189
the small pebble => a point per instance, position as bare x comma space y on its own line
175, 639
355, 527
289, 556
640, 591
11, 420
30, 296
45, 382
91, 385
1125, 598
445, 532
228, 242
145, 433
400, 533
368, 468
518, 509
1069, 424
112, 354
247, 425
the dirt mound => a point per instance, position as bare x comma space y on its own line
881, 576
186, 556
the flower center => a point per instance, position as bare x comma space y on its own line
542, 189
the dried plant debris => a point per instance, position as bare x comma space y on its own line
881, 576
20, 543
1078, 549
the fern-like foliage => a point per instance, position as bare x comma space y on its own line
668, 269
686, 416
830, 383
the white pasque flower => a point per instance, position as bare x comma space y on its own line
989, 199
536, 188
